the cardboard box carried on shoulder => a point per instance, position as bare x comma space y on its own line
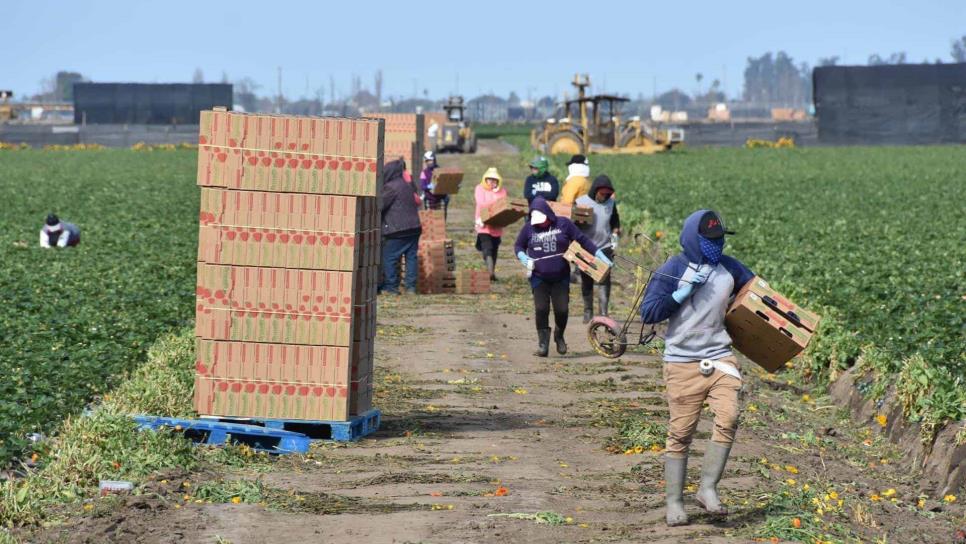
447, 181
577, 214
504, 212
587, 263
768, 328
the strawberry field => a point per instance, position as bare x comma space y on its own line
74, 321
872, 238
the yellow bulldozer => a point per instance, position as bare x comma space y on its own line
6, 109
593, 124
455, 134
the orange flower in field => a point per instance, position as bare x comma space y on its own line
659, 234
501, 491
436, 494
797, 523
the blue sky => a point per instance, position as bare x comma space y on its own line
487, 45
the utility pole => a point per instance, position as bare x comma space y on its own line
278, 99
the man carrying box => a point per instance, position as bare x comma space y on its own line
692, 291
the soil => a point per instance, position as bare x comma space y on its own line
468, 410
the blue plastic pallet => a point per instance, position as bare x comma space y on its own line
213, 431
339, 431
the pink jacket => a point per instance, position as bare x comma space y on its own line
485, 197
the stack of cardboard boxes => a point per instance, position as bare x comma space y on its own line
405, 133
436, 255
287, 265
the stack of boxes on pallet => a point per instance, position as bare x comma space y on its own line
287, 265
404, 138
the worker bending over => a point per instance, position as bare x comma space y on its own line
57, 233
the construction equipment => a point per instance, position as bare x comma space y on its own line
455, 134
593, 124
6, 109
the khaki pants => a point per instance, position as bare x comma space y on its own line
687, 391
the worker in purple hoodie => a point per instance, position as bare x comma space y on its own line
692, 291
540, 247
431, 200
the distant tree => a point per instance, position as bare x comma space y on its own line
895, 58
244, 91
198, 76
64, 85
513, 99
828, 61
775, 79
958, 51
377, 86
675, 99
698, 77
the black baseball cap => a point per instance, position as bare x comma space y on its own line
712, 226
578, 159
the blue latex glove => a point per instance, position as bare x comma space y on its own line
524, 258
600, 255
685, 291
432, 186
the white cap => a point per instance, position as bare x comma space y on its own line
537, 217
429, 156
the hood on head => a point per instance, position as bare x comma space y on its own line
600, 182
690, 239
540, 204
393, 170
492, 173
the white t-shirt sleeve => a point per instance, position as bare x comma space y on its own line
64, 238
44, 241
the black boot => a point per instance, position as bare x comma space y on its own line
588, 306
490, 266
543, 343
603, 298
558, 338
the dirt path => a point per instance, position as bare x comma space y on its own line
468, 410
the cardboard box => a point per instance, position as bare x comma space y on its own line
762, 332
404, 133
577, 214
279, 400
472, 282
587, 263
290, 154
285, 248
433, 223
447, 181
788, 309
436, 283
308, 212
283, 362
504, 212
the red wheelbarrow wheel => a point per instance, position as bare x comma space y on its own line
605, 336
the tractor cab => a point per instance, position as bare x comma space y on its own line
456, 134
603, 114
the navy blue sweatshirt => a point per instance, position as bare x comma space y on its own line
553, 240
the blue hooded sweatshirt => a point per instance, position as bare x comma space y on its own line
696, 328
540, 242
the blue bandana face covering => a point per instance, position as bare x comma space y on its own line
712, 249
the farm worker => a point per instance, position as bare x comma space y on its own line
540, 182
400, 229
577, 183
605, 231
431, 201
487, 236
57, 233
540, 248
699, 364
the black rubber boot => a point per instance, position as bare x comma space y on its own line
543, 342
588, 306
558, 338
490, 267
603, 299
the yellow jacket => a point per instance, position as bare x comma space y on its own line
574, 188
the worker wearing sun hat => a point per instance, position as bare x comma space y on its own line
57, 233
540, 182
577, 183
692, 291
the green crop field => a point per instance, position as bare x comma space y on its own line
74, 321
871, 238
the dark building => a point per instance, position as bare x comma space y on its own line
893, 104
147, 103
